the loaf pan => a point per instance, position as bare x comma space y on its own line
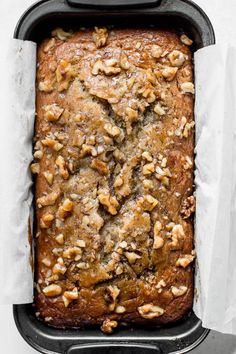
36, 24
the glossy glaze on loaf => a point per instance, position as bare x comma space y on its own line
114, 141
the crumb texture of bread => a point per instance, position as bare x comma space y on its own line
113, 160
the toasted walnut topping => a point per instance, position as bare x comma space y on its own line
38, 154
52, 144
148, 169
71, 295
169, 73
65, 209
188, 207
81, 243
158, 241
118, 182
64, 74
123, 244
78, 138
49, 45
100, 166
179, 291
52, 290
146, 155
59, 267
48, 199
132, 257
73, 252
131, 114
82, 265
150, 311
124, 63
112, 130
60, 162
61, 34
103, 67
161, 284
188, 163
179, 131
187, 128
45, 86
147, 184
111, 295
60, 239
176, 58
108, 325
147, 202
52, 112
177, 234
110, 202
156, 51
186, 40
35, 168
187, 87
49, 177
46, 262
185, 260
46, 221
170, 226
159, 110
120, 309
100, 36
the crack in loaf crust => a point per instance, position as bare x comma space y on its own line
114, 174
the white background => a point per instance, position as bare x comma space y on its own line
223, 17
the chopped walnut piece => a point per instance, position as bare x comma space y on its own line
100, 166
65, 209
118, 182
156, 51
59, 268
81, 243
78, 138
60, 162
188, 207
110, 202
187, 128
49, 177
52, 290
159, 110
73, 252
46, 220
45, 86
60, 239
187, 87
120, 309
61, 34
148, 202
35, 168
186, 40
52, 144
38, 154
188, 163
112, 130
185, 260
124, 63
180, 129
64, 74
158, 241
161, 284
176, 58
131, 116
179, 291
48, 199
82, 265
132, 257
108, 325
102, 67
146, 155
52, 112
177, 234
150, 311
49, 45
111, 295
169, 73
46, 262
147, 184
148, 169
100, 36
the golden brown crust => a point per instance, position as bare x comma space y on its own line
114, 164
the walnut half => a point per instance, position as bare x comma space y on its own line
150, 311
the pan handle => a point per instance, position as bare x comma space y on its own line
114, 348
113, 3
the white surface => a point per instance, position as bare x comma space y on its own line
222, 14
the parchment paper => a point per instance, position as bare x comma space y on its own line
17, 122
215, 233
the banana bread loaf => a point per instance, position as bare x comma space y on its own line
113, 159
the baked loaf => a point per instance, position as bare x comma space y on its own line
113, 156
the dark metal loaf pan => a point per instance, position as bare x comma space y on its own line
36, 24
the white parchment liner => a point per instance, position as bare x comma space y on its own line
215, 114
17, 102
